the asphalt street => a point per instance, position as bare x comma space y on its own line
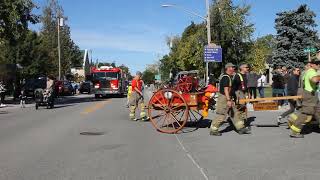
86, 139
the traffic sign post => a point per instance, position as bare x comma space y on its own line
309, 50
157, 77
212, 54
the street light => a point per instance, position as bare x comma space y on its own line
184, 9
207, 19
60, 24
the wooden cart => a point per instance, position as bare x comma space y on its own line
170, 109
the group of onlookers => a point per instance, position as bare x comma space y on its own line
2, 93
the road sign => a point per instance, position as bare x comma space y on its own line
310, 49
157, 77
212, 54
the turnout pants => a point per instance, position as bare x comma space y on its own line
205, 106
236, 113
136, 100
310, 108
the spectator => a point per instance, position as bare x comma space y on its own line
286, 76
22, 98
293, 85
261, 85
278, 84
2, 94
252, 78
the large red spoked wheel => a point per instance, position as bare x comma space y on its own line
168, 111
185, 84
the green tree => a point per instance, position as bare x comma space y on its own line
125, 69
15, 15
261, 50
14, 18
70, 52
148, 76
295, 31
232, 31
32, 56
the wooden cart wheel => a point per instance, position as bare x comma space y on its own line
185, 84
168, 111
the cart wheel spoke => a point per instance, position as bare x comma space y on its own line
168, 111
175, 119
159, 115
163, 106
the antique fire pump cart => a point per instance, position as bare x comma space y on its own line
172, 107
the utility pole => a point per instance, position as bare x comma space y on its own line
207, 19
209, 38
60, 24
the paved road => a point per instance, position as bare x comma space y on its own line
48, 145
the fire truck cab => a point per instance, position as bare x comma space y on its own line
108, 80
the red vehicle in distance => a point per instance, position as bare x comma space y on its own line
108, 81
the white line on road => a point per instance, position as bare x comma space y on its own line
191, 158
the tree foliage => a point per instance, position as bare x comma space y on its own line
230, 29
148, 76
14, 18
70, 53
295, 31
261, 51
36, 52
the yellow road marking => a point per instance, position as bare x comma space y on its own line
95, 107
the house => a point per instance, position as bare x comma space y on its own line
83, 72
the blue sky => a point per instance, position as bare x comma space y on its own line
133, 32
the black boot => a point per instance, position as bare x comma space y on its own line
215, 133
244, 131
296, 135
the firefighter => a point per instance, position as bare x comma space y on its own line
239, 91
310, 103
129, 94
136, 98
208, 97
225, 104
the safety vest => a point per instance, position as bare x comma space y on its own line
243, 87
307, 84
225, 75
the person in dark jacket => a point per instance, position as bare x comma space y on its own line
293, 86
278, 84
252, 83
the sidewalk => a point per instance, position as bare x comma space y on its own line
12, 104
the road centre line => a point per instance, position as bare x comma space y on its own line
191, 158
95, 107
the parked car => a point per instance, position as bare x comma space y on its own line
63, 88
75, 87
32, 84
85, 87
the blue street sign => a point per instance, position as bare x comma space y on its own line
212, 54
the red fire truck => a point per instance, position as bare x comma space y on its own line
108, 80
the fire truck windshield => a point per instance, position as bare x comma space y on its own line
105, 75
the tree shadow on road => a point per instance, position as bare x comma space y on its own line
79, 100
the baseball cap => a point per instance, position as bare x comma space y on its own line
229, 65
139, 73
